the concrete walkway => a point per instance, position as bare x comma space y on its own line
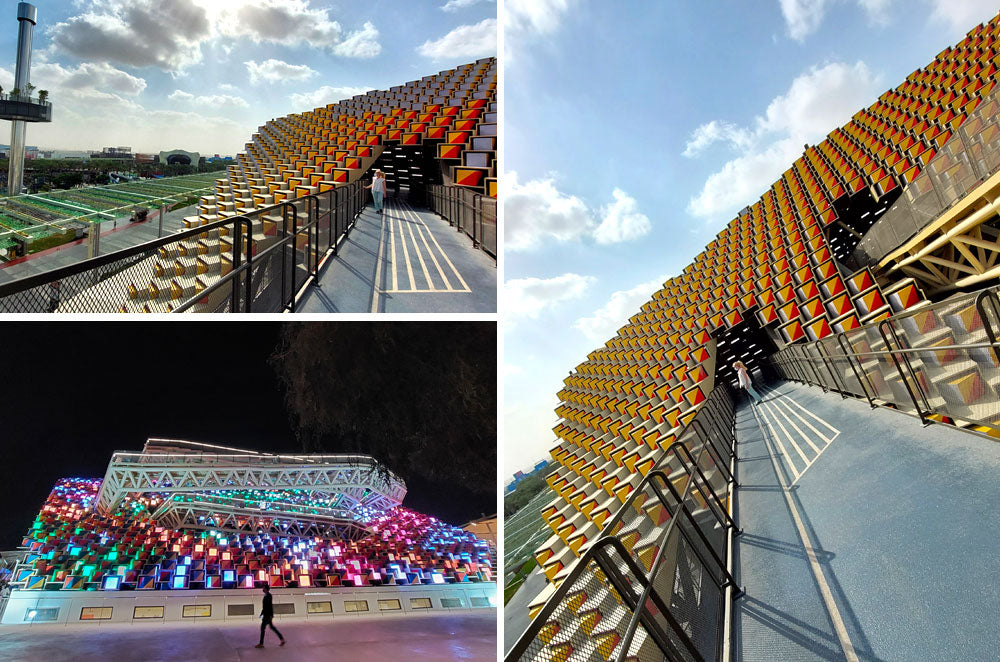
404, 261
459, 637
866, 536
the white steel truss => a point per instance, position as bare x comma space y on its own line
339, 488
201, 515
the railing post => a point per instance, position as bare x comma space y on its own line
858, 370
808, 360
981, 298
883, 325
234, 305
838, 384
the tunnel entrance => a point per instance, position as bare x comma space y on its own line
747, 342
178, 159
409, 169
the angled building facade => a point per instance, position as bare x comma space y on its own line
889, 210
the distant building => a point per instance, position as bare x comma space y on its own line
147, 158
180, 157
520, 475
213, 159
68, 154
124, 153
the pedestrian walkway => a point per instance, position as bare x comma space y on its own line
403, 261
469, 637
865, 535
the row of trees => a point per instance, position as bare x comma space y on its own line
52, 174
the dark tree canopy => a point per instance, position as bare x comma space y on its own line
418, 396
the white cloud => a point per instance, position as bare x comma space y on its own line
538, 16
137, 33
536, 211
455, 5
361, 43
713, 132
604, 322
169, 35
803, 17
962, 15
622, 220
226, 87
529, 297
214, 100
278, 70
477, 40
87, 75
817, 102
325, 95
510, 369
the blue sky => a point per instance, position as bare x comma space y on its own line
635, 131
202, 75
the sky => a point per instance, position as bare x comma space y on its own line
73, 393
202, 75
635, 131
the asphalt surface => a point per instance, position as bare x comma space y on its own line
901, 523
406, 260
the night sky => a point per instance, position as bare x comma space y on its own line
74, 392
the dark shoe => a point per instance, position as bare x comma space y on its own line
259, 646
282, 643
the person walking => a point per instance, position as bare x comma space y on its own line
266, 616
744, 377
378, 190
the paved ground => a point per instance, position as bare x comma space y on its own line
464, 637
404, 261
515, 612
901, 526
115, 236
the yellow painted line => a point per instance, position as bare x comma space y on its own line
437, 265
406, 253
832, 429
420, 256
817, 570
465, 285
788, 438
791, 464
392, 238
806, 438
784, 403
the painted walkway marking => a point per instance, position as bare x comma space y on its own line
809, 443
424, 262
824, 588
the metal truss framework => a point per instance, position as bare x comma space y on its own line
307, 494
200, 515
960, 249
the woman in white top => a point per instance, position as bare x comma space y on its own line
744, 377
378, 190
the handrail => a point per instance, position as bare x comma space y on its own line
592, 553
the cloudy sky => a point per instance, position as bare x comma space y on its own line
202, 75
636, 131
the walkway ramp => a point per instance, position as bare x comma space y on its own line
406, 260
865, 535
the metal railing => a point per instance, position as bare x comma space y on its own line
257, 262
939, 362
659, 576
473, 213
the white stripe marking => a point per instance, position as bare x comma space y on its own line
817, 570
465, 286
378, 266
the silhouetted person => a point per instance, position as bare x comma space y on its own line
744, 378
266, 615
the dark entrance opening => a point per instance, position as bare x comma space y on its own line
855, 216
178, 159
409, 170
747, 342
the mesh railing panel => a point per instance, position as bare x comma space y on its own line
652, 542
471, 212
256, 262
939, 360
